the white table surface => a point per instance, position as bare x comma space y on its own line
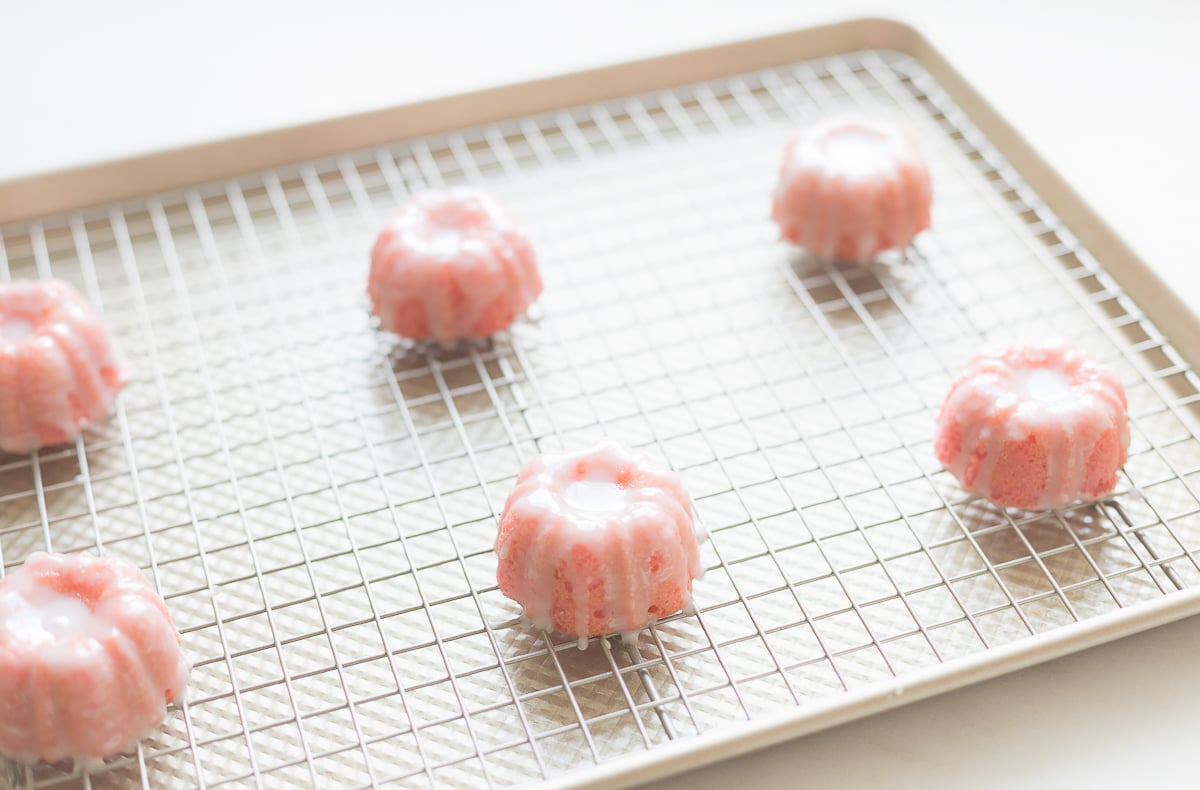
1106, 91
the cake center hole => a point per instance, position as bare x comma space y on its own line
445, 239
854, 152
596, 495
47, 618
1043, 385
14, 329
64, 614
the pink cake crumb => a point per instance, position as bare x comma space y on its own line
1034, 426
451, 265
599, 541
60, 372
89, 658
850, 188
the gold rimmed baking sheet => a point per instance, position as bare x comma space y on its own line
318, 504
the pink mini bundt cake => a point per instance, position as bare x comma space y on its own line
59, 369
598, 541
89, 658
1035, 427
451, 265
850, 188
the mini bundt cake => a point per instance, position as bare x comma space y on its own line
89, 658
1034, 427
59, 370
850, 188
451, 265
598, 541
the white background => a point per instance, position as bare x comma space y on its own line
1107, 91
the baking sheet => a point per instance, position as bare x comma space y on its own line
317, 503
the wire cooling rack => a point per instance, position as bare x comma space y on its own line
317, 505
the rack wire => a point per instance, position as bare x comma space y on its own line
317, 504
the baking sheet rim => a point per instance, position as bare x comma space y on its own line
748, 736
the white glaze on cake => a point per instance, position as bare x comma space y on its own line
851, 187
1034, 405
451, 265
89, 658
60, 372
597, 541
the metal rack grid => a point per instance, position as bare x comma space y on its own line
317, 505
